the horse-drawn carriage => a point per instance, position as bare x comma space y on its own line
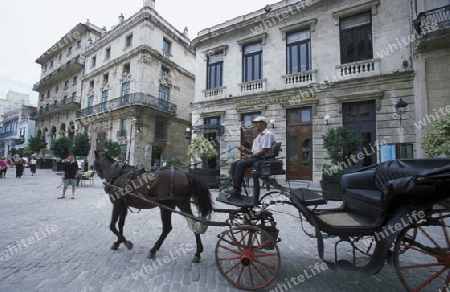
393, 212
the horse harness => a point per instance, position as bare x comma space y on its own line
117, 169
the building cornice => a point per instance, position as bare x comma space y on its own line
252, 19
123, 28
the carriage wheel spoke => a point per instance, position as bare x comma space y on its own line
444, 229
251, 276
265, 265
261, 274
230, 250
429, 237
232, 268
430, 279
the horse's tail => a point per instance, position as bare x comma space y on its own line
200, 194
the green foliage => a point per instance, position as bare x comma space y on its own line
27, 151
437, 141
177, 163
44, 151
61, 147
36, 143
111, 148
81, 145
201, 148
340, 143
13, 151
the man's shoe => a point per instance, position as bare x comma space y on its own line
235, 194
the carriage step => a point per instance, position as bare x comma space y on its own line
308, 197
241, 202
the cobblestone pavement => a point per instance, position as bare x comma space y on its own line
64, 245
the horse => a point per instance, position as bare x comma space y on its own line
169, 186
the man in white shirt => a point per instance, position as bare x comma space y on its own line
261, 145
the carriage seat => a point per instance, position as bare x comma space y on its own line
363, 189
269, 165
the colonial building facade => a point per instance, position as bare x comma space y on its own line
62, 67
137, 88
310, 65
16, 125
132, 85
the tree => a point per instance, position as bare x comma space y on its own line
61, 147
340, 144
437, 141
111, 148
81, 145
36, 143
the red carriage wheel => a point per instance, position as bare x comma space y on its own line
422, 253
247, 257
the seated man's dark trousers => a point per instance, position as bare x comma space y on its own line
238, 169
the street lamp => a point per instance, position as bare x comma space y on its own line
400, 108
188, 133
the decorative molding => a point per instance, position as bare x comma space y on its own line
209, 52
260, 37
372, 5
300, 101
376, 95
286, 29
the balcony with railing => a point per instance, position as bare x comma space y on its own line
133, 99
218, 92
432, 28
300, 79
8, 134
65, 104
253, 86
358, 69
66, 70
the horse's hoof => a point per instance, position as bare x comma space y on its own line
195, 259
128, 244
114, 247
151, 255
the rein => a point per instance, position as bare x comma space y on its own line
165, 198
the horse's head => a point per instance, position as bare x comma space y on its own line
102, 163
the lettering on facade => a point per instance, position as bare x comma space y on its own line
270, 100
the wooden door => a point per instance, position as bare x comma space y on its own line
299, 144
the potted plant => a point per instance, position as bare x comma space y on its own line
340, 144
199, 151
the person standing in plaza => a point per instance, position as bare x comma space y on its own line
69, 176
33, 165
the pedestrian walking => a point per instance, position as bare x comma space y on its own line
20, 167
3, 166
33, 165
69, 176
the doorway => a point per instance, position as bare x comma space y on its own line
360, 119
299, 144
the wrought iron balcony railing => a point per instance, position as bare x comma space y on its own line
57, 106
137, 98
433, 19
77, 60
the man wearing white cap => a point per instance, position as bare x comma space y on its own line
261, 145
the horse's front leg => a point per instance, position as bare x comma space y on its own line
122, 217
166, 218
119, 213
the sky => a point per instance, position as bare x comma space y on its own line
28, 28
